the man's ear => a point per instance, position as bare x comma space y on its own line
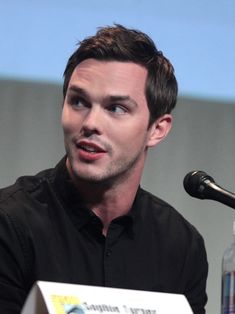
159, 130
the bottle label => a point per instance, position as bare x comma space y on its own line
228, 293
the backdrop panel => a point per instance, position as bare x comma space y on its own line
202, 139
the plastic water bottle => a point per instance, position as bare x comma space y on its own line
228, 279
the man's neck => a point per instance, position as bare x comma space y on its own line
116, 203
110, 198
109, 201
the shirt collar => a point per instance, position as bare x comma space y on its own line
81, 215
70, 197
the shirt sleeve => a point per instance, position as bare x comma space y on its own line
196, 271
12, 266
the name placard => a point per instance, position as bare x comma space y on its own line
60, 298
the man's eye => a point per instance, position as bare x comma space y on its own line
117, 109
77, 102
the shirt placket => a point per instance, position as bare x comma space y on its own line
112, 237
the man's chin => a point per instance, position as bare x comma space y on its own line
94, 180
89, 178
78, 174
83, 175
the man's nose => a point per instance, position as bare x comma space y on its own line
93, 121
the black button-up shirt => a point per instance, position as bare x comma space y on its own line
47, 233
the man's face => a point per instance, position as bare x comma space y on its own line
105, 120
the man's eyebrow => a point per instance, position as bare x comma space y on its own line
77, 89
122, 98
115, 98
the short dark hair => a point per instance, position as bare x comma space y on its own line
117, 43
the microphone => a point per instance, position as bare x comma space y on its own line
200, 185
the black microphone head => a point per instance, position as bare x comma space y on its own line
195, 183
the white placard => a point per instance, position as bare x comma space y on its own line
60, 298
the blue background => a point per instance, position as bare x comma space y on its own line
37, 37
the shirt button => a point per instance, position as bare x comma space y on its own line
108, 252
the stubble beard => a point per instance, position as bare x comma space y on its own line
116, 172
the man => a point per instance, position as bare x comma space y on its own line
87, 221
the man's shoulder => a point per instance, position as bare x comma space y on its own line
21, 193
153, 200
156, 205
165, 217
